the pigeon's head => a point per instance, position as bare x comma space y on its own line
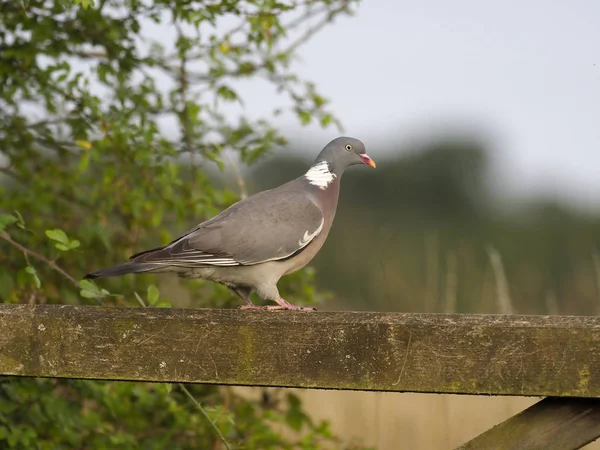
344, 152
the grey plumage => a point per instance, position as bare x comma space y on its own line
253, 243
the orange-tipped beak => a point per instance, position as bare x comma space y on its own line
368, 161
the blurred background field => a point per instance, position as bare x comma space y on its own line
483, 121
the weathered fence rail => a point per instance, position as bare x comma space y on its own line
555, 356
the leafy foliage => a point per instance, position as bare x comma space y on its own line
53, 414
111, 136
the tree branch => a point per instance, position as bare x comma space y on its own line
184, 113
315, 28
5, 236
206, 416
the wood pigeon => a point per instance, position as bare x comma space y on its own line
253, 243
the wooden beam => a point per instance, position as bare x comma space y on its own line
466, 354
553, 423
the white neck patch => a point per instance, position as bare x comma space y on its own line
319, 175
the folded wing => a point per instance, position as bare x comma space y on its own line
261, 228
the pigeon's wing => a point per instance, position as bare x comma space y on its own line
268, 226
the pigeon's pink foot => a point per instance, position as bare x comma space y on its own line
283, 304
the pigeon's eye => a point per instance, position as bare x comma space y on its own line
348, 148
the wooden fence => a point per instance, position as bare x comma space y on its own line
556, 357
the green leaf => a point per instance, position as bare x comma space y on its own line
21, 221
84, 161
63, 242
87, 145
326, 120
58, 235
88, 294
294, 416
227, 93
140, 299
87, 284
6, 220
90, 290
36, 280
319, 101
152, 295
85, 3
304, 116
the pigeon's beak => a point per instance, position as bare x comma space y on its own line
367, 160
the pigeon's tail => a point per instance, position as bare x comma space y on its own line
121, 269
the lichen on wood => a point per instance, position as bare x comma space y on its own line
443, 353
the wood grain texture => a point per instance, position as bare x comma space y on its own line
468, 354
553, 423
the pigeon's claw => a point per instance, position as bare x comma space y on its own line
281, 306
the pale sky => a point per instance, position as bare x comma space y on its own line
525, 74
